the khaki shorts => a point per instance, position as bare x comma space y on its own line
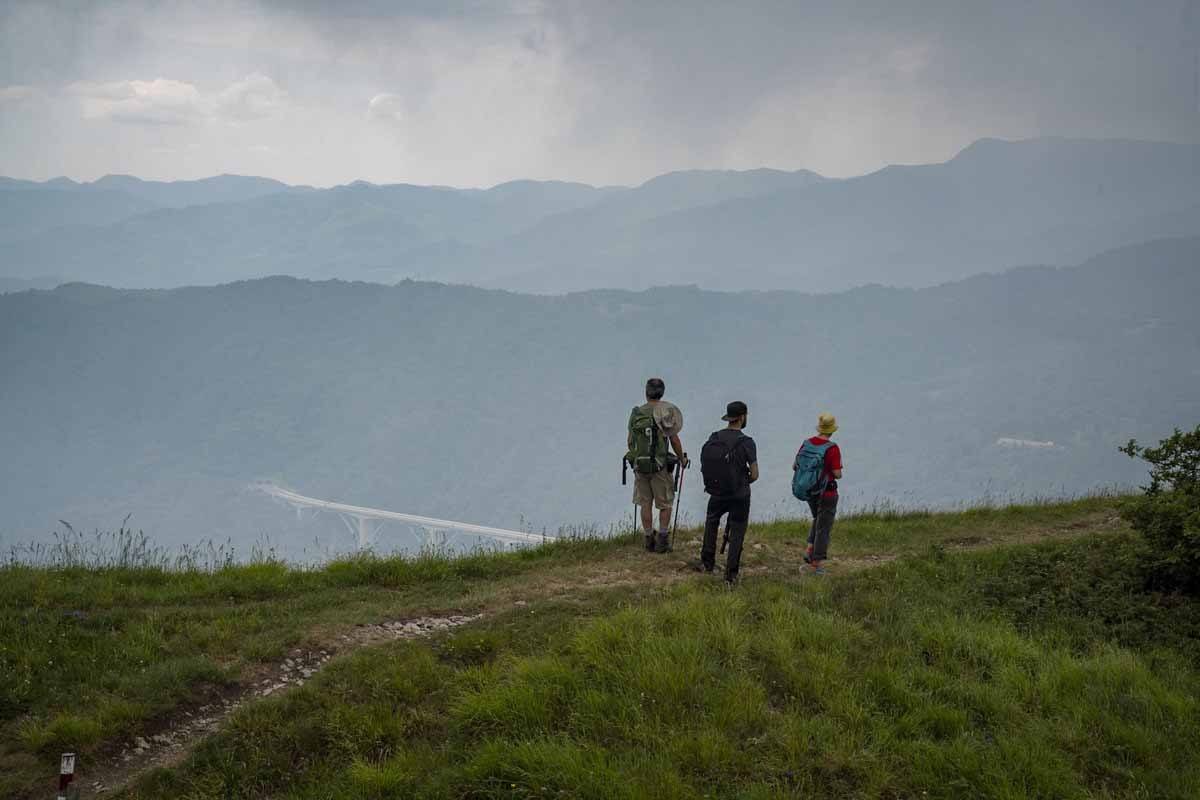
657, 486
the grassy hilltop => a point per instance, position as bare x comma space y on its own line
1006, 652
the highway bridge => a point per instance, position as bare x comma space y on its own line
365, 523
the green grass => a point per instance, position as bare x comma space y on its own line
912, 532
90, 657
929, 677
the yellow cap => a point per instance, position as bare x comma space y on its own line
826, 424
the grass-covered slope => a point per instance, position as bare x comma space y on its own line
929, 664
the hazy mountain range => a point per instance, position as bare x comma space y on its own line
22, 284
509, 409
995, 205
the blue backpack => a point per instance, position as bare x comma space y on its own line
808, 481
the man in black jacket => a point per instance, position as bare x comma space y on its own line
729, 463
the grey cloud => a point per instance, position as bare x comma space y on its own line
1066, 62
605, 92
385, 107
254, 97
15, 94
163, 101
155, 102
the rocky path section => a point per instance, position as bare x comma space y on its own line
184, 731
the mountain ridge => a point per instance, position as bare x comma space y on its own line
994, 204
967, 150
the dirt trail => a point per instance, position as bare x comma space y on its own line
170, 741
178, 735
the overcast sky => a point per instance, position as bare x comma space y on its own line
475, 93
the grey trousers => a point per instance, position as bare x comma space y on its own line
823, 510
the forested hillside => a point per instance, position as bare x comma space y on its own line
165, 404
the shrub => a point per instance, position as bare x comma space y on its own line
1168, 513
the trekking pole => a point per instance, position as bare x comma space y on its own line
678, 502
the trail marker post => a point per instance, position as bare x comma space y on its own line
66, 774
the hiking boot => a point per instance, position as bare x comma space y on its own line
816, 568
663, 544
700, 566
731, 581
808, 554
649, 537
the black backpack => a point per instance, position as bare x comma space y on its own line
721, 466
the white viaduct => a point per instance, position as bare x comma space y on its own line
364, 523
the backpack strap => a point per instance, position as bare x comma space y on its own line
737, 443
734, 449
654, 438
822, 481
741, 440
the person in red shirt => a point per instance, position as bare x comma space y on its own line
824, 508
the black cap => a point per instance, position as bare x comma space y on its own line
734, 410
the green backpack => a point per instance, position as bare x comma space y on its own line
648, 451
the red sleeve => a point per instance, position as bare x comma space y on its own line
833, 458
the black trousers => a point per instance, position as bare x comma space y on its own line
824, 509
738, 509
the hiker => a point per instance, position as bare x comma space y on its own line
651, 426
816, 471
729, 464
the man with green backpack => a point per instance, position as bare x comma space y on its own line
652, 427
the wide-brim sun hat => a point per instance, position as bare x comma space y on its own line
826, 424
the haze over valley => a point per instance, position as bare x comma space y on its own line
509, 409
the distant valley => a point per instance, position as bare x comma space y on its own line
509, 409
